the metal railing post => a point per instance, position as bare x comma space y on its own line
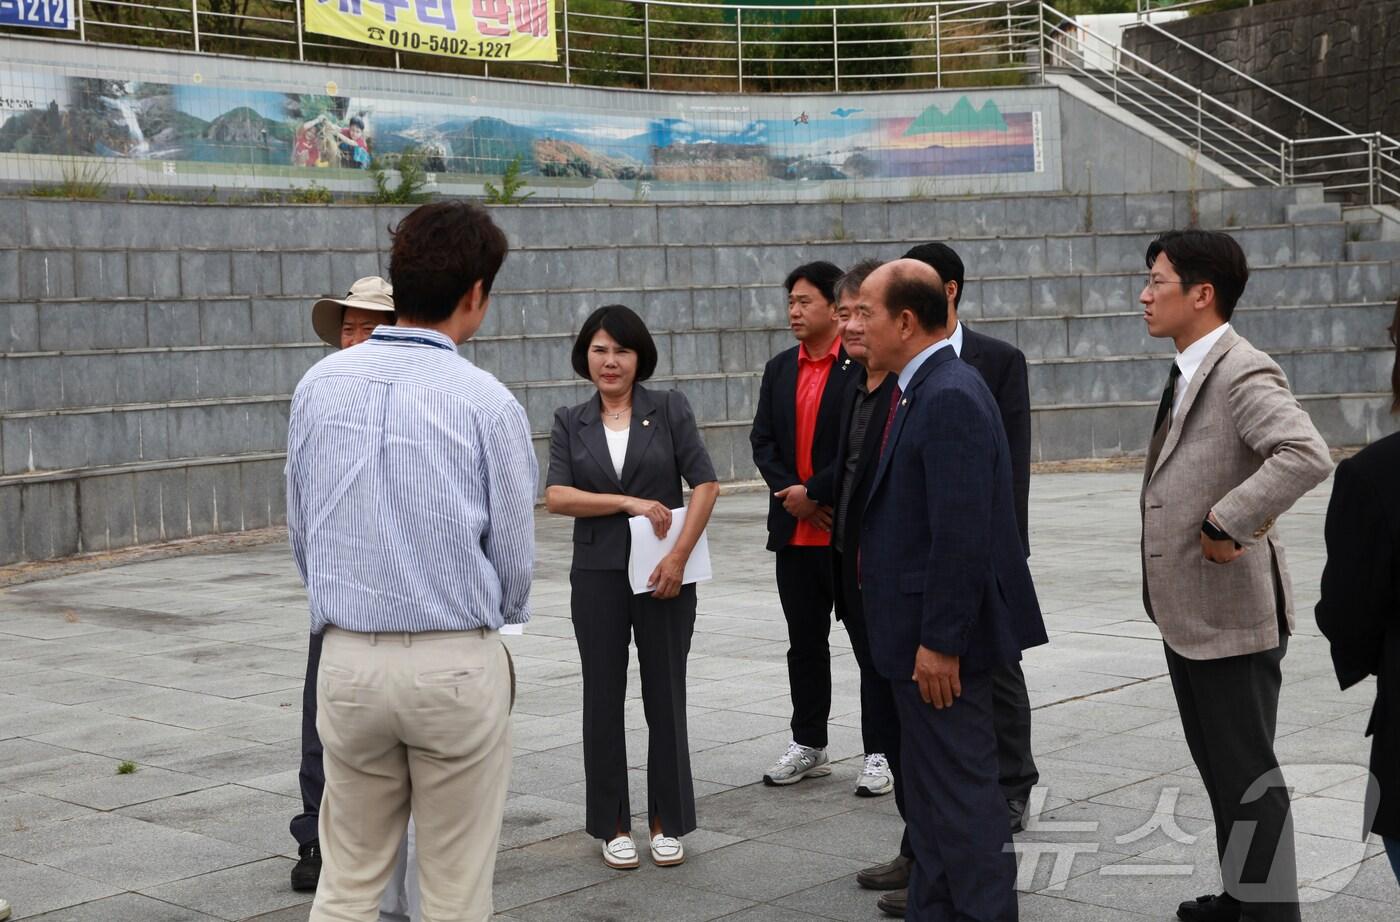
1283, 163
835, 52
646, 40
1372, 176
194, 15
1040, 34
938, 46
82, 22
1200, 106
739, 52
301, 52
568, 73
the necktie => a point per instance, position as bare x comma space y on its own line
1164, 409
889, 419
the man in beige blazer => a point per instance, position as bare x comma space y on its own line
1231, 451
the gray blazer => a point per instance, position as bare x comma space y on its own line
1242, 447
663, 445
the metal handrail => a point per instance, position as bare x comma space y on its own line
937, 42
1347, 132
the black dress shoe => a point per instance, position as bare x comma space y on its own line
1017, 810
893, 903
892, 875
1210, 908
307, 871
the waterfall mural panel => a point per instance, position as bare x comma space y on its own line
695, 143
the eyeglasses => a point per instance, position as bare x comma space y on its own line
1155, 284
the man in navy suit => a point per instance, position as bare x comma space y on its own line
948, 596
1003, 367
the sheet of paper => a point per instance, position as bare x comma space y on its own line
647, 551
512, 629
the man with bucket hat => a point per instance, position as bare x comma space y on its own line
340, 324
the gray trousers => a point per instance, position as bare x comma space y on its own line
607, 616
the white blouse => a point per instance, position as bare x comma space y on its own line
617, 447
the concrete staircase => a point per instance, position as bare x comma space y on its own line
148, 351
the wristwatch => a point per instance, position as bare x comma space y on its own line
1215, 532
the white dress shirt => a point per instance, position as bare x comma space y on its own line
617, 447
1189, 361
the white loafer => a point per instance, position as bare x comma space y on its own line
666, 851
621, 853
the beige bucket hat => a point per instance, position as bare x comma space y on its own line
371, 294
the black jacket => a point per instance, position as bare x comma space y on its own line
847, 561
1003, 367
663, 445
1360, 607
774, 436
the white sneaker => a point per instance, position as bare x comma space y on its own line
876, 778
621, 853
666, 850
797, 763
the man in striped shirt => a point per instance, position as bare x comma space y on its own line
410, 495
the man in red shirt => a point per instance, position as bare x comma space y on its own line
794, 446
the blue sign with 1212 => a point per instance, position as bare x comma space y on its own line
37, 14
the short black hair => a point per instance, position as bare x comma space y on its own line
855, 276
439, 252
820, 275
945, 261
622, 324
357, 122
925, 300
1205, 256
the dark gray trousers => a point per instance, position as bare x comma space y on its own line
312, 775
606, 616
1229, 709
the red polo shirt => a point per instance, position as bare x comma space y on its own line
812, 374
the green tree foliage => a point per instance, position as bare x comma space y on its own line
508, 193
412, 178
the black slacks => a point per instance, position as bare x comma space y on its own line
312, 774
1229, 710
1011, 712
606, 617
805, 591
963, 870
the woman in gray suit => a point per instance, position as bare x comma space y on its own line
619, 454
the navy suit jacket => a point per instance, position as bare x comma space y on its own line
774, 436
942, 564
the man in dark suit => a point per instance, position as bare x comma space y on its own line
794, 442
947, 593
1003, 367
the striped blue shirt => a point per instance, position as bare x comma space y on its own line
410, 489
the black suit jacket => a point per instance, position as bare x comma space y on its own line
1003, 367
774, 436
940, 563
663, 445
1360, 606
845, 567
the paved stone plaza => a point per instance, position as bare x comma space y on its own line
191, 667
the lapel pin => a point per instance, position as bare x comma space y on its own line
904, 402
646, 422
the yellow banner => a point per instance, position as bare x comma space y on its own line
490, 30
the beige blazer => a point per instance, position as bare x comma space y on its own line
1240, 446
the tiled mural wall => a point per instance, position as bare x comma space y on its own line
189, 120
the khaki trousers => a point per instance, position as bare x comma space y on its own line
420, 723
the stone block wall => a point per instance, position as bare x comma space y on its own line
1340, 58
148, 350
